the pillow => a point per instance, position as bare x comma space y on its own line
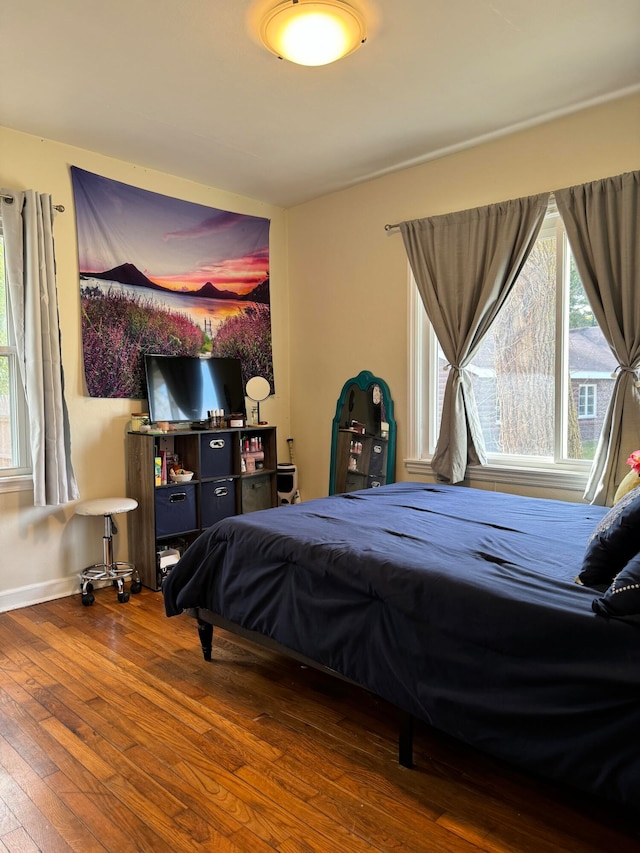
628, 483
613, 543
623, 596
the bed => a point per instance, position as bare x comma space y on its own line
457, 605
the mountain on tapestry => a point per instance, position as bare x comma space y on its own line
162, 275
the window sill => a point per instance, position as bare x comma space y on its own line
17, 483
565, 480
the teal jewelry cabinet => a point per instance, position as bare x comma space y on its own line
363, 437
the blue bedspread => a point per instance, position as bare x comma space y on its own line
455, 604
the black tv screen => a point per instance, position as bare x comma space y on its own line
186, 388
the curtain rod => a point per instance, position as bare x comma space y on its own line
9, 199
551, 208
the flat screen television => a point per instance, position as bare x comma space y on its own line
184, 388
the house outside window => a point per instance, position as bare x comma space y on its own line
544, 346
14, 445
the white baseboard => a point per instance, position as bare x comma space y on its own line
36, 593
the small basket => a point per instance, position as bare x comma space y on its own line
180, 476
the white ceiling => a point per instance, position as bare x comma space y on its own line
184, 86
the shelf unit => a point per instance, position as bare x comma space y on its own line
172, 515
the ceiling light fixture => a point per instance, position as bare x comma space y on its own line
313, 32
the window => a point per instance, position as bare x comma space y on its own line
535, 374
587, 401
14, 453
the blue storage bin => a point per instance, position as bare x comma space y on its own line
175, 509
216, 454
217, 501
378, 458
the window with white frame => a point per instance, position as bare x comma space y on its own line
530, 368
14, 446
587, 401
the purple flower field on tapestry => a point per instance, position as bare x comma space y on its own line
247, 336
117, 331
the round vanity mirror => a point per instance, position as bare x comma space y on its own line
258, 389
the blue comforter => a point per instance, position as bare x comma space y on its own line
457, 605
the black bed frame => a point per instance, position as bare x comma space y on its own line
207, 620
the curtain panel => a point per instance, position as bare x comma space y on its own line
31, 288
602, 220
465, 265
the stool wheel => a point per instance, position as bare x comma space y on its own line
123, 597
135, 587
88, 599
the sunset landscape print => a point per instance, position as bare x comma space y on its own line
159, 274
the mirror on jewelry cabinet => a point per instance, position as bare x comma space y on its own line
363, 437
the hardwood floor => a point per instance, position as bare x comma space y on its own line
115, 735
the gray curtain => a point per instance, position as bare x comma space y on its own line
603, 226
31, 287
465, 264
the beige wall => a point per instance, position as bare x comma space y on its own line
349, 276
44, 549
339, 302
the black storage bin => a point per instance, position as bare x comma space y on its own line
175, 509
378, 457
216, 454
355, 481
256, 493
217, 501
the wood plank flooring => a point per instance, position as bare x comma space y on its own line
115, 735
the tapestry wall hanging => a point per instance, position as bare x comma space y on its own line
161, 275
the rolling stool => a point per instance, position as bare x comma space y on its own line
109, 569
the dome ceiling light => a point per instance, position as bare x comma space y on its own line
313, 32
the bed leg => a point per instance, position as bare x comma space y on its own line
405, 739
205, 632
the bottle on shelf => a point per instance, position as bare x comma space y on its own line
252, 454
